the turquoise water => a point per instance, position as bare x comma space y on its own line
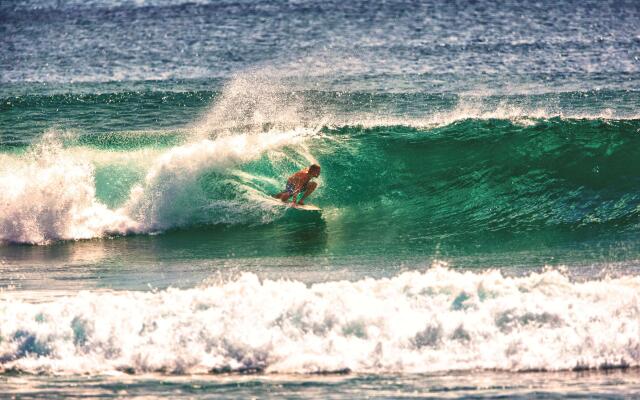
479, 205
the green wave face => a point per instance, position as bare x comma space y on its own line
397, 188
482, 180
403, 182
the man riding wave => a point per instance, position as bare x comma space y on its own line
300, 182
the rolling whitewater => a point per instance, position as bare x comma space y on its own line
479, 202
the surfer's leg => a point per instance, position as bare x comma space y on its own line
311, 186
284, 196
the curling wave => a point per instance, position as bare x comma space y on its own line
459, 179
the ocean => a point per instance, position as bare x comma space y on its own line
479, 195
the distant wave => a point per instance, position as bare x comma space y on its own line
92, 4
277, 102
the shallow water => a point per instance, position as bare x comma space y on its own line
482, 385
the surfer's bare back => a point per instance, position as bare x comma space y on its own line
300, 182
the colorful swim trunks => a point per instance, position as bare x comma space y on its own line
290, 188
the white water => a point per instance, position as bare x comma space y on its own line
437, 320
49, 193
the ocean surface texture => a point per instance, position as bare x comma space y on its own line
480, 199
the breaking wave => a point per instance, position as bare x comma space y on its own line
436, 320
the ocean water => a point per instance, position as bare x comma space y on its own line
479, 195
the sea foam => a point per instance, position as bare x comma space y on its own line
435, 320
46, 195
49, 193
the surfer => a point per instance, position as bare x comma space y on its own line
300, 182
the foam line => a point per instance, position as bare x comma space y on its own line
431, 321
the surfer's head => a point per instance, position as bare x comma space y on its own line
314, 170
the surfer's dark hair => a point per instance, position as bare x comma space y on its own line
314, 167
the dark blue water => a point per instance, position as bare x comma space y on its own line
470, 44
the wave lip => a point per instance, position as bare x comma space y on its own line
418, 322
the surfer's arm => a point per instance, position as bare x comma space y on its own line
296, 192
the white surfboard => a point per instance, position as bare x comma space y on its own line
304, 207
